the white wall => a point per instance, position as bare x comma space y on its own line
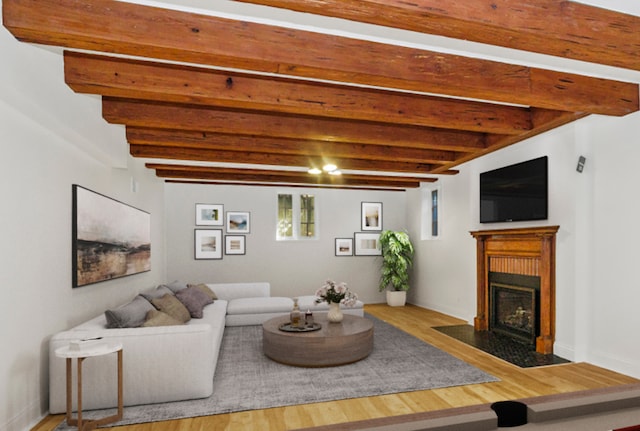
597, 286
50, 139
292, 267
615, 287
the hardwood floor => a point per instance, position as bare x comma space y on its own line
514, 383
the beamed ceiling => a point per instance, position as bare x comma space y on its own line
219, 100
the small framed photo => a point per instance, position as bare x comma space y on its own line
235, 244
209, 215
208, 243
344, 246
371, 216
238, 222
366, 244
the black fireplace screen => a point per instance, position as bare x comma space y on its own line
514, 311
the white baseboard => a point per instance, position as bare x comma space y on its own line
614, 364
458, 314
26, 419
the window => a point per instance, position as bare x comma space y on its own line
307, 216
285, 216
296, 216
431, 206
434, 212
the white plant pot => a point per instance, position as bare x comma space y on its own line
396, 298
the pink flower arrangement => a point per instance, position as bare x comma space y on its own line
336, 292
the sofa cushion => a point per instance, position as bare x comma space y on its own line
272, 304
203, 287
158, 318
194, 299
157, 292
130, 315
173, 307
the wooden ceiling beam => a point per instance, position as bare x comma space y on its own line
203, 119
279, 176
270, 159
291, 185
287, 179
126, 78
257, 172
147, 31
258, 144
543, 121
560, 28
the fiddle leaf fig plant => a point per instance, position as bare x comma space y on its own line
397, 259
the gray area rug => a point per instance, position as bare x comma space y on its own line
245, 379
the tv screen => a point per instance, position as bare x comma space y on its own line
515, 193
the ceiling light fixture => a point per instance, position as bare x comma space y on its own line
329, 168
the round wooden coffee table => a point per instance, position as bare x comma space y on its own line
334, 344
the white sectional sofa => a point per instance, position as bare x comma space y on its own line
167, 363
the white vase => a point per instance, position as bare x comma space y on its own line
334, 315
396, 298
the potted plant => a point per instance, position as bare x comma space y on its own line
397, 259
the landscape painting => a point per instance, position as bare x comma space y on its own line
208, 243
110, 239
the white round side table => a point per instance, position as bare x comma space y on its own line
89, 351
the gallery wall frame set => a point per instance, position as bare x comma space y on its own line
209, 243
363, 243
110, 239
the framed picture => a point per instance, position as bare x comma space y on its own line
238, 222
235, 244
366, 244
110, 239
208, 243
209, 214
344, 246
371, 216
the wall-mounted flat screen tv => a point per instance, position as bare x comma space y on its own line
515, 193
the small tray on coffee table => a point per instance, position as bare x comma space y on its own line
286, 327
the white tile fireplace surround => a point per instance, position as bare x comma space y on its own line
528, 252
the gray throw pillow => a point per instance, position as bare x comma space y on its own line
157, 292
130, 315
176, 285
210, 293
195, 300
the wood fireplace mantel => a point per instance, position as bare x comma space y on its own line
526, 251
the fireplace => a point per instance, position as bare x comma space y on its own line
514, 259
514, 311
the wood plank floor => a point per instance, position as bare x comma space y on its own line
514, 383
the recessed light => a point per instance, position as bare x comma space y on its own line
329, 167
314, 171
335, 172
